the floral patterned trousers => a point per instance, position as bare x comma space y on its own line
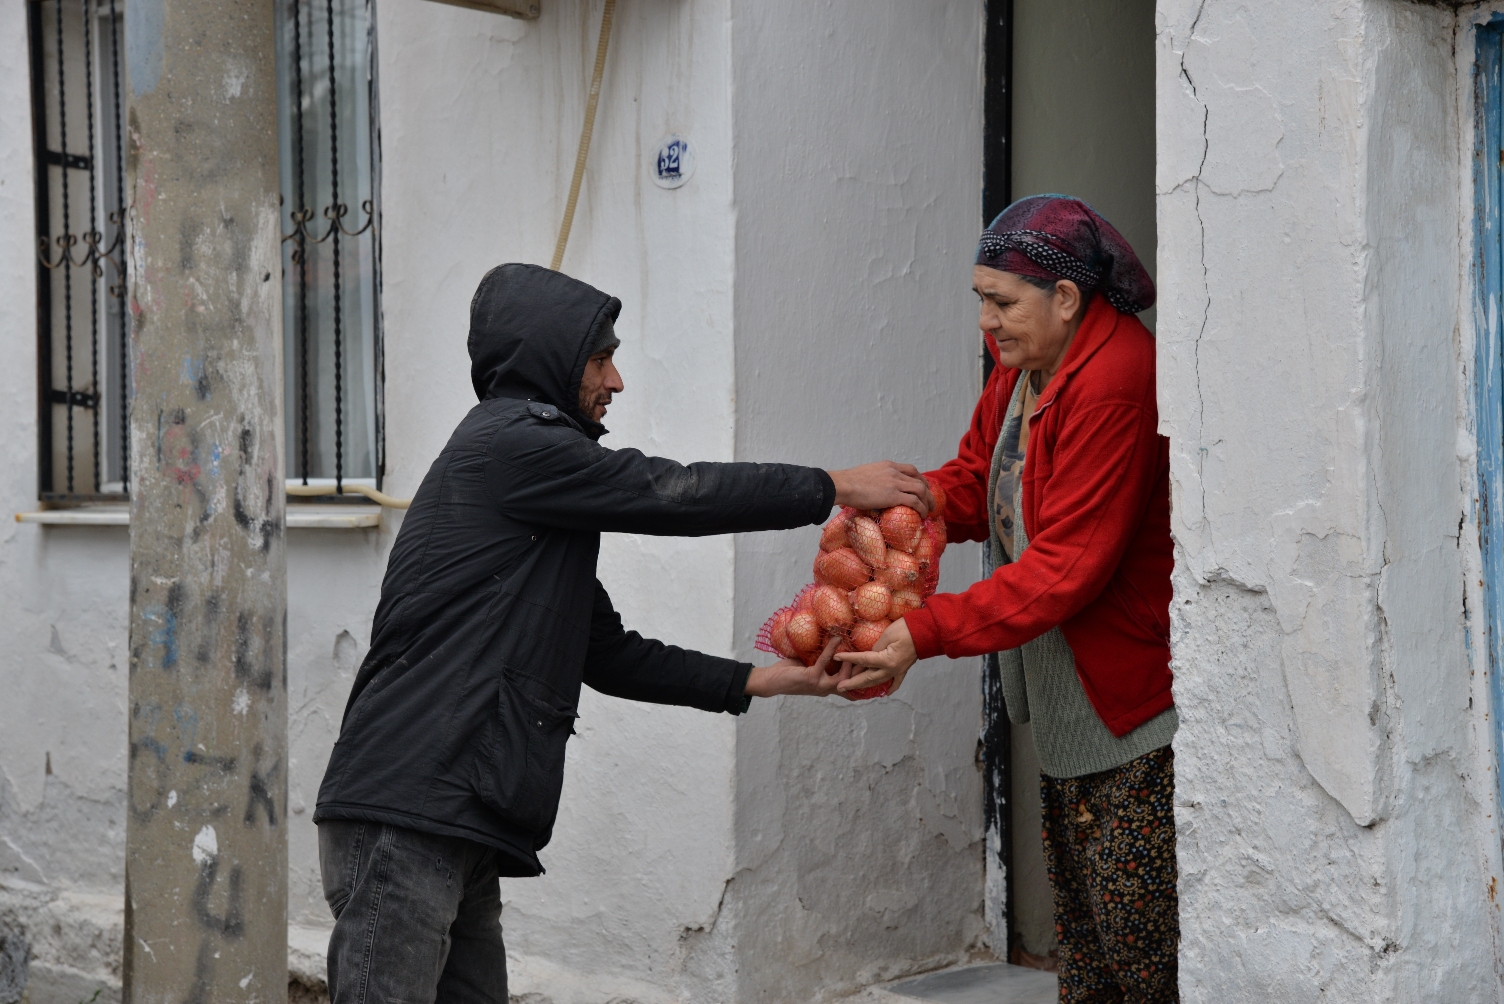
1109, 845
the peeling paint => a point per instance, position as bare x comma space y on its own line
1310, 383
205, 846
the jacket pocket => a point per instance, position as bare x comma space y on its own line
523, 773
1141, 610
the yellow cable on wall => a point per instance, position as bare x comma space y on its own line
380, 498
585, 132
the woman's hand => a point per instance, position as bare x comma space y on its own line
889, 659
790, 676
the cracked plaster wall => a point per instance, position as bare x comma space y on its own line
1335, 792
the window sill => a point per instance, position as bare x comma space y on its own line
299, 517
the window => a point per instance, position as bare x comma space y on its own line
331, 302
330, 147
76, 113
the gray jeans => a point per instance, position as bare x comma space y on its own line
417, 917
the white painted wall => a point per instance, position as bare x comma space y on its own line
1335, 790
481, 116
662, 807
858, 198
62, 665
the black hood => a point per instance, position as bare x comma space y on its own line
531, 329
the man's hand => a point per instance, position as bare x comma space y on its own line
790, 676
889, 659
881, 485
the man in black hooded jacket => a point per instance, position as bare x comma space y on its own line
450, 758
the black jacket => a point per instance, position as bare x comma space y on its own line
491, 615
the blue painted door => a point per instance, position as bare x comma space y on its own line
1488, 264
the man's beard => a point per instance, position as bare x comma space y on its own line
588, 408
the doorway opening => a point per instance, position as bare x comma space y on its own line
1069, 110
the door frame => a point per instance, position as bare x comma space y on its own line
997, 735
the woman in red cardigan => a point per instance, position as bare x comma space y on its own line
1064, 473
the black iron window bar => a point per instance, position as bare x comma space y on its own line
74, 263
327, 227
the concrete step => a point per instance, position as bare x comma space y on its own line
990, 983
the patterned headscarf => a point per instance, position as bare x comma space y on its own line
1058, 237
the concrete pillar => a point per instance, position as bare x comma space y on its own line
206, 845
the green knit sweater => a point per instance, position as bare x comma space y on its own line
1039, 678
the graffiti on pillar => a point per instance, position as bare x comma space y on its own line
231, 923
209, 629
260, 789
147, 744
228, 923
256, 486
255, 649
160, 621
150, 779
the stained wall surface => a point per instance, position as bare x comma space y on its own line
1335, 780
480, 116
858, 200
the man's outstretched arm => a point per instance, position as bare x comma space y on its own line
625, 664
551, 476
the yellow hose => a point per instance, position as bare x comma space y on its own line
584, 151
380, 498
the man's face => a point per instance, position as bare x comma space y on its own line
600, 381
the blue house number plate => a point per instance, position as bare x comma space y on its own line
674, 162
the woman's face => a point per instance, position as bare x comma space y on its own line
1032, 328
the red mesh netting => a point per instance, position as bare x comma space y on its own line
873, 567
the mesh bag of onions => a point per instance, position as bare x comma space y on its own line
874, 566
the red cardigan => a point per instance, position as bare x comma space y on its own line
1096, 503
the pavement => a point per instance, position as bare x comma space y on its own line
989, 983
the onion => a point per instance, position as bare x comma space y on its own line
831, 609
834, 534
822, 576
939, 494
872, 600
842, 568
866, 539
925, 552
904, 601
901, 527
779, 634
902, 570
867, 632
835, 667
804, 631
937, 531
